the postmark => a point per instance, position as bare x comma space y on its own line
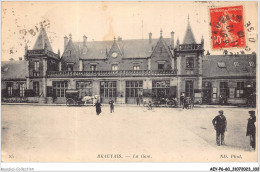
227, 27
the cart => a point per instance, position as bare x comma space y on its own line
73, 99
160, 102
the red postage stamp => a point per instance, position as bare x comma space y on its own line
227, 27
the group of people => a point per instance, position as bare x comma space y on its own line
186, 102
98, 107
220, 125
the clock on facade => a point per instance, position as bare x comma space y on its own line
114, 54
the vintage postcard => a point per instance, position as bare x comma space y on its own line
129, 81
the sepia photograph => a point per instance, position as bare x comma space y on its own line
129, 81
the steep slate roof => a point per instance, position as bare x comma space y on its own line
189, 37
13, 70
210, 66
164, 43
135, 48
42, 39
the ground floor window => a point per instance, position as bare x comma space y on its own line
21, 89
85, 88
189, 88
224, 92
59, 88
240, 89
134, 88
9, 86
161, 88
108, 88
207, 91
36, 88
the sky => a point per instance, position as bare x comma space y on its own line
106, 20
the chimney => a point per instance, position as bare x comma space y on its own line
119, 39
20, 58
172, 40
150, 38
65, 42
85, 41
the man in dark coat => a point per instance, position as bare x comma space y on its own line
182, 100
251, 128
98, 107
111, 102
220, 125
138, 101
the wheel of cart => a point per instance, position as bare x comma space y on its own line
171, 103
149, 107
73, 98
146, 100
70, 102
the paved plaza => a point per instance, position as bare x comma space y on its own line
130, 134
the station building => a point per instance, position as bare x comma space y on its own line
126, 69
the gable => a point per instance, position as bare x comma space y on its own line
161, 49
71, 54
115, 51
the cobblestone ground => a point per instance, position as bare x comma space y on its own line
77, 134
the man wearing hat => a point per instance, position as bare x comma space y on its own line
220, 125
251, 128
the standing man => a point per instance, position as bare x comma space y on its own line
220, 125
182, 99
138, 101
251, 128
111, 102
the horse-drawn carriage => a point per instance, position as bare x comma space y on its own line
167, 102
73, 98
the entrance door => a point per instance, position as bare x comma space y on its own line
224, 92
207, 92
36, 88
134, 89
189, 88
108, 91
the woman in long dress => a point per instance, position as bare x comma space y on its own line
98, 107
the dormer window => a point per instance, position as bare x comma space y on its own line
236, 64
93, 67
5, 69
136, 67
160, 66
70, 66
114, 66
251, 64
221, 64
